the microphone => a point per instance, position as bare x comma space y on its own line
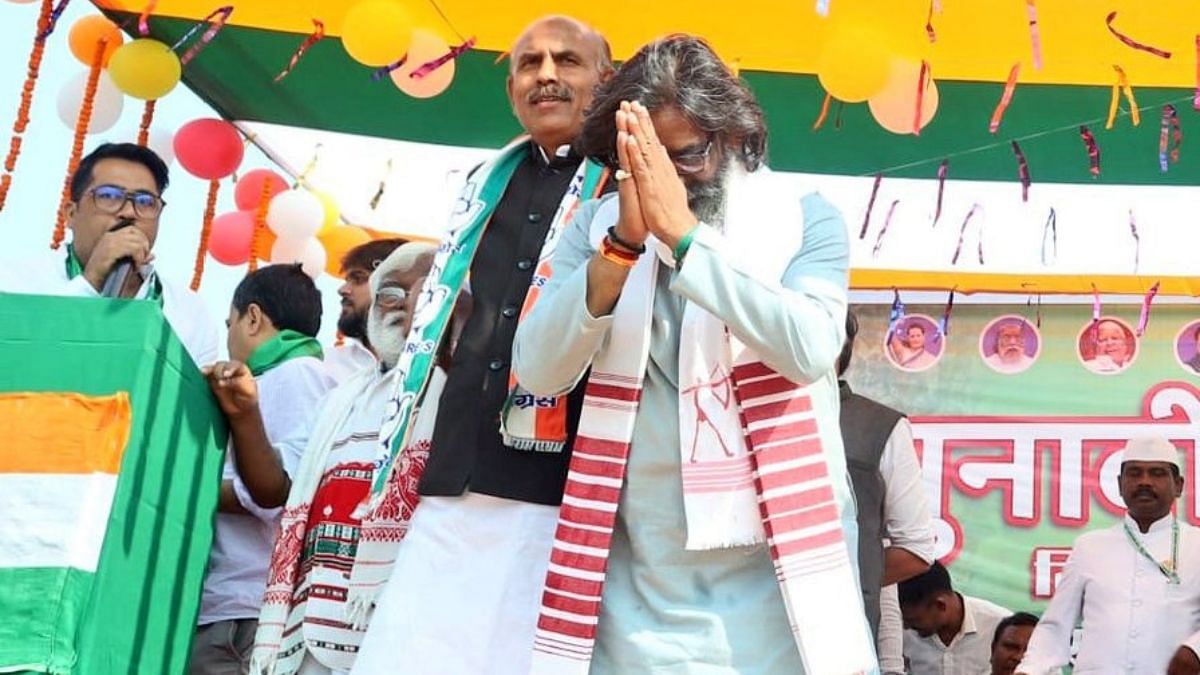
120, 271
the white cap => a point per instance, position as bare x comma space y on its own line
1151, 449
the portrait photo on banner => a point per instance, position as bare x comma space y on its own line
1107, 346
1010, 344
915, 344
1187, 347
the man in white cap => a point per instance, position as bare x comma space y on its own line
1136, 585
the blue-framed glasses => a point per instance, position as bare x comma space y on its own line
111, 199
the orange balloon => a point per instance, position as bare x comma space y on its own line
337, 242
89, 30
266, 240
426, 46
895, 106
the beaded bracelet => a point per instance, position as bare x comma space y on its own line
612, 235
615, 255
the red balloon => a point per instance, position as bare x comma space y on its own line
229, 241
250, 186
209, 148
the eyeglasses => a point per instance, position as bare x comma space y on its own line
391, 297
688, 163
111, 199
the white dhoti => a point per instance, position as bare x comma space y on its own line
465, 592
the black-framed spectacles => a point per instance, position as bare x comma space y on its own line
691, 162
111, 199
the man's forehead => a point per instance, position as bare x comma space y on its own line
555, 35
1145, 465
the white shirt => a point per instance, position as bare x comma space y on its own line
1133, 619
1023, 361
350, 358
288, 396
969, 652
907, 525
184, 310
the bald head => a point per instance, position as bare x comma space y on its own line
554, 67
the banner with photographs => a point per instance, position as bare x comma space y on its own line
1020, 414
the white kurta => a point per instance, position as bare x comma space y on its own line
184, 310
349, 359
1133, 617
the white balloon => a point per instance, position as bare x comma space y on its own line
106, 107
295, 214
308, 252
162, 142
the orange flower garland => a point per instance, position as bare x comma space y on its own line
209, 211
22, 121
260, 221
81, 126
144, 127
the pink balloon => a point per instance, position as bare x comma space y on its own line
250, 186
229, 241
209, 148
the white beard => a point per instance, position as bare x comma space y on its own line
386, 340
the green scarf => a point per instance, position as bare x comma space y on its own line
75, 268
286, 345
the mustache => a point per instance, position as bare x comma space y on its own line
550, 92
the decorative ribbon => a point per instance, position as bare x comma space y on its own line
55, 15
943, 169
1122, 84
820, 121
1137, 241
962, 231
1196, 96
382, 186
1095, 306
922, 84
1050, 231
1144, 318
944, 326
1130, 42
260, 226
318, 34
1022, 171
1009, 87
1170, 127
144, 18
1093, 150
897, 311
1035, 38
929, 20
442, 60
383, 71
886, 223
501, 57
862, 234
215, 22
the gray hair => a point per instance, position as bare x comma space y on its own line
680, 71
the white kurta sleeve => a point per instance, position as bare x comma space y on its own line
797, 325
556, 342
907, 522
1193, 643
1050, 645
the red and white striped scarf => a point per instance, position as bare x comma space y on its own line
781, 452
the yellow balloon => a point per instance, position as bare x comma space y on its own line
426, 46
145, 69
377, 32
854, 62
333, 216
895, 106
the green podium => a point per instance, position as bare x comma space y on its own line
111, 450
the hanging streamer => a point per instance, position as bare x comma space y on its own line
1137, 241
886, 223
81, 126
837, 117
897, 311
318, 34
1144, 318
1050, 237
922, 84
1130, 42
820, 121
1095, 306
1009, 87
210, 210
22, 121
1022, 171
1039, 310
1122, 85
427, 68
382, 186
1196, 95
944, 326
501, 57
147, 120
862, 234
1169, 136
962, 231
215, 22
929, 21
383, 71
55, 15
1035, 38
144, 18
943, 169
1093, 150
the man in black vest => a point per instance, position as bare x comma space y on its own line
891, 504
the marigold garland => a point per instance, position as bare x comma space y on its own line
260, 221
22, 121
81, 127
202, 251
144, 127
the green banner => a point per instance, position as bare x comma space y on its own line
1020, 451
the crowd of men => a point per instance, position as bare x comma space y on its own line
602, 427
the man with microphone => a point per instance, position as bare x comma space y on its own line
116, 202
